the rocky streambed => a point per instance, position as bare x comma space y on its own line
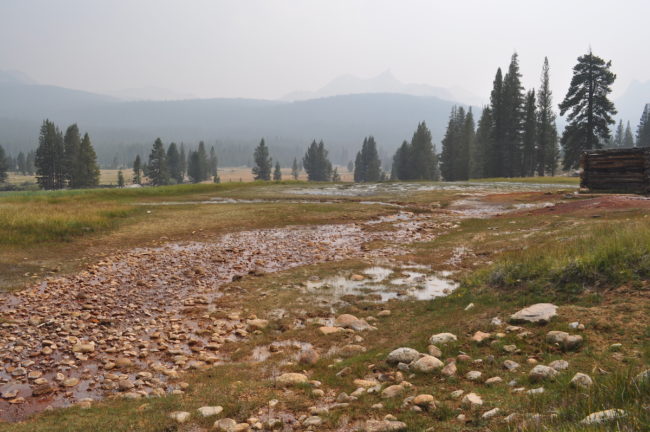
130, 324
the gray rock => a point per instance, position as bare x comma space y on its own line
540, 313
559, 365
473, 375
581, 380
601, 417
402, 355
427, 364
489, 414
542, 373
225, 425
511, 365
442, 338
384, 426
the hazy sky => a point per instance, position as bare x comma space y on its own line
267, 48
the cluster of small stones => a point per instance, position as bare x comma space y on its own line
129, 324
405, 363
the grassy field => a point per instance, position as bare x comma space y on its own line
594, 268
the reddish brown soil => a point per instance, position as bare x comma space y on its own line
591, 206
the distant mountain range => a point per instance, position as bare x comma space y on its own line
380, 106
384, 83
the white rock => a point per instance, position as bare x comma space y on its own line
403, 355
489, 414
603, 416
208, 411
559, 365
180, 416
538, 313
542, 373
442, 338
581, 380
427, 364
472, 400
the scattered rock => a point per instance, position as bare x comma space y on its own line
493, 380
208, 411
511, 365
434, 351
559, 365
392, 391
402, 355
489, 414
351, 322
180, 416
542, 373
290, 379
480, 337
581, 380
384, 426
427, 364
472, 400
326, 330
473, 375
601, 417
442, 338
424, 400
225, 425
540, 313
257, 324
450, 369
643, 377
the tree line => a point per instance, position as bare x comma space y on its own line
174, 165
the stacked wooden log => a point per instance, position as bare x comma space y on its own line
616, 170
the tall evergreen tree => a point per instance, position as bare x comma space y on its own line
494, 159
263, 163
643, 130
50, 158
619, 134
137, 170
450, 156
552, 152
174, 164
295, 172
628, 140
71, 149
424, 162
88, 175
157, 169
402, 169
590, 109
120, 179
316, 162
204, 164
367, 166
3, 165
546, 129
277, 173
513, 101
194, 167
529, 136
481, 145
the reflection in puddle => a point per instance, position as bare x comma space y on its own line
378, 287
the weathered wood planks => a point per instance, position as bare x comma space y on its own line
616, 170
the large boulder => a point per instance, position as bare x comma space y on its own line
540, 313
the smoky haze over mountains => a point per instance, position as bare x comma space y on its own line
128, 72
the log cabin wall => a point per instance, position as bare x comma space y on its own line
616, 170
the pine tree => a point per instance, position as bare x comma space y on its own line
174, 164
137, 169
367, 166
552, 152
423, 158
277, 173
204, 164
263, 163
49, 159
120, 179
157, 169
451, 144
88, 169
402, 167
529, 136
194, 167
3, 166
213, 162
295, 172
546, 129
336, 177
628, 140
619, 134
643, 130
513, 101
21, 163
71, 149
591, 110
316, 163
494, 154
478, 160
